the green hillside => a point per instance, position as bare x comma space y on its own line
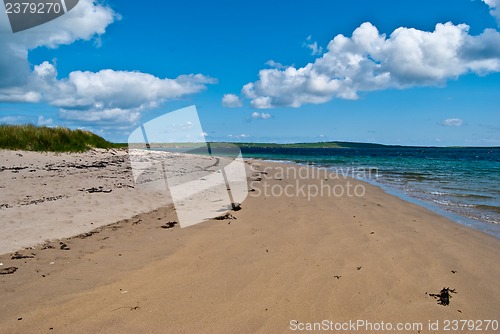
334, 144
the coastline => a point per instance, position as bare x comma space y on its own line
462, 181
477, 225
482, 226
282, 259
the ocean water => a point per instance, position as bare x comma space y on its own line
460, 183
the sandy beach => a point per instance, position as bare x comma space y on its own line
93, 252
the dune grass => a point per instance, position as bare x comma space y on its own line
34, 138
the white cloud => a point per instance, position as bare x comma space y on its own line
258, 115
371, 61
106, 116
44, 121
86, 21
231, 101
240, 136
105, 96
313, 46
261, 102
452, 122
273, 64
494, 8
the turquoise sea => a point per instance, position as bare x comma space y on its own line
462, 184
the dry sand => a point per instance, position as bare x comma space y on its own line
47, 195
374, 258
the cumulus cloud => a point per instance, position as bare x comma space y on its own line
273, 64
104, 96
371, 61
231, 101
42, 121
257, 115
107, 96
86, 21
494, 8
452, 122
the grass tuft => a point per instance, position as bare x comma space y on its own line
33, 138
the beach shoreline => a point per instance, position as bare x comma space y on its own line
280, 259
460, 183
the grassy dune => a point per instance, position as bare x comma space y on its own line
33, 138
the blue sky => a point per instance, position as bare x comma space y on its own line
264, 71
